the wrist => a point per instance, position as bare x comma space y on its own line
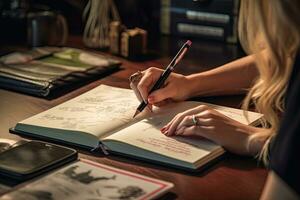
256, 141
197, 84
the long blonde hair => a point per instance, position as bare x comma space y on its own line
270, 30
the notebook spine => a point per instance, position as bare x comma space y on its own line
100, 147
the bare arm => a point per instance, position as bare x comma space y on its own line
275, 188
232, 78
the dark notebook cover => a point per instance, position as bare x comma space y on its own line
48, 72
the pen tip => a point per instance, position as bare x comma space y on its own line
189, 42
136, 113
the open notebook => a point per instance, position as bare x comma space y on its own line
102, 118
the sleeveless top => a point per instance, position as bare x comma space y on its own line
285, 149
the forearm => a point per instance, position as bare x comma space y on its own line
232, 78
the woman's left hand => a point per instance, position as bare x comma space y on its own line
206, 122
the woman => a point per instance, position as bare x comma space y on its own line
270, 34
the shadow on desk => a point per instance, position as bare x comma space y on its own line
240, 162
168, 196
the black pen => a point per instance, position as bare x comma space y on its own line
165, 74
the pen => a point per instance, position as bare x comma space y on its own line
165, 74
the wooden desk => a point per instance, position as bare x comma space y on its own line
233, 177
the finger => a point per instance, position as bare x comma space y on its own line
172, 128
163, 103
147, 81
180, 131
172, 120
198, 109
149, 107
188, 131
160, 95
188, 121
167, 126
204, 121
144, 85
203, 131
172, 125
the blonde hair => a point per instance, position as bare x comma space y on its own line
270, 31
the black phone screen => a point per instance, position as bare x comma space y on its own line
32, 156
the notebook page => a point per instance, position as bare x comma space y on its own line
98, 111
146, 133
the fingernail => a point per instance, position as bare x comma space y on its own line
163, 129
150, 99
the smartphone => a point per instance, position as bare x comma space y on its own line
34, 158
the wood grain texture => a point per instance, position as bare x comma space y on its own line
232, 177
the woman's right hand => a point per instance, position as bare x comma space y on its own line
176, 87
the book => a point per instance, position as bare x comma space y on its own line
86, 179
46, 71
229, 7
102, 118
214, 20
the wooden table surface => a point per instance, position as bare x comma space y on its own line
233, 177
